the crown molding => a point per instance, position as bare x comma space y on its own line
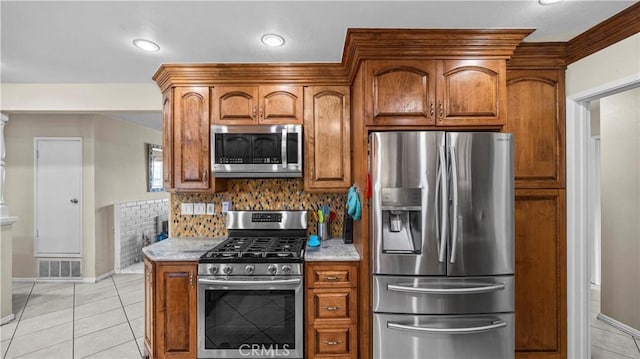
360, 44
618, 27
539, 55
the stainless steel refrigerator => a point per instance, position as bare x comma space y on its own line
442, 244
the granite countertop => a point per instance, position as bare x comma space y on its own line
190, 249
180, 249
332, 250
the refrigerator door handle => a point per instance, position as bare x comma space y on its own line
496, 324
443, 208
454, 187
490, 287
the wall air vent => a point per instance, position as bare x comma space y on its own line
59, 268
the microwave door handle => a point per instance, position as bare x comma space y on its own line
496, 324
284, 147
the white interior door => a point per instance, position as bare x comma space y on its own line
58, 202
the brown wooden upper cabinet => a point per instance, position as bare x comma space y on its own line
186, 140
536, 119
252, 105
460, 92
327, 162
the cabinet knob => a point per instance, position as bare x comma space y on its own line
191, 281
441, 109
253, 113
262, 113
331, 278
432, 110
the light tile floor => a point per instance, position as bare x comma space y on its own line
106, 320
608, 342
56, 320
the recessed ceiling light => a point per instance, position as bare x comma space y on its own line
548, 2
272, 40
146, 45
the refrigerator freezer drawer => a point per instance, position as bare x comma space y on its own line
442, 295
487, 336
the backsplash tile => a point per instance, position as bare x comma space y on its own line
253, 194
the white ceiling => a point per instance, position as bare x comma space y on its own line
91, 41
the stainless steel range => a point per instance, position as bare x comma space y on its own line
250, 288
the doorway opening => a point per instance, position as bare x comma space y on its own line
580, 256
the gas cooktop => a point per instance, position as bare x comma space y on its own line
257, 249
261, 237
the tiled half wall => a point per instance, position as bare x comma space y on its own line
132, 220
253, 194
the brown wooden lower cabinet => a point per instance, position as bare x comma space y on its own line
170, 309
331, 296
540, 274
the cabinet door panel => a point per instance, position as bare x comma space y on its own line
281, 104
235, 105
149, 308
471, 92
536, 118
327, 138
402, 92
177, 310
191, 140
167, 139
540, 284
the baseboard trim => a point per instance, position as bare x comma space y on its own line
104, 276
69, 280
618, 325
28, 280
7, 319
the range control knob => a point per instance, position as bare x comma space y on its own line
286, 269
272, 269
213, 269
250, 268
227, 270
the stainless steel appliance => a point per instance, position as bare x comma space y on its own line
256, 151
442, 245
250, 288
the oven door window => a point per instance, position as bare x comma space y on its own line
237, 318
267, 148
232, 148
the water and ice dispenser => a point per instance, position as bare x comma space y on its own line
401, 220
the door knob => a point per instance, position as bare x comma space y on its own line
74, 200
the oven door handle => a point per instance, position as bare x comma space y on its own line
496, 324
249, 282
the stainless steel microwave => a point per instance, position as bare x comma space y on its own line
256, 151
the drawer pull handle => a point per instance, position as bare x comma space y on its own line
331, 342
337, 307
331, 278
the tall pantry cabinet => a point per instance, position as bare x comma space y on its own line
536, 117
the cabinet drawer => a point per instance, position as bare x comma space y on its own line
331, 276
331, 306
333, 342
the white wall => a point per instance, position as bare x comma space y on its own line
114, 170
620, 183
120, 175
587, 79
617, 61
80, 97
